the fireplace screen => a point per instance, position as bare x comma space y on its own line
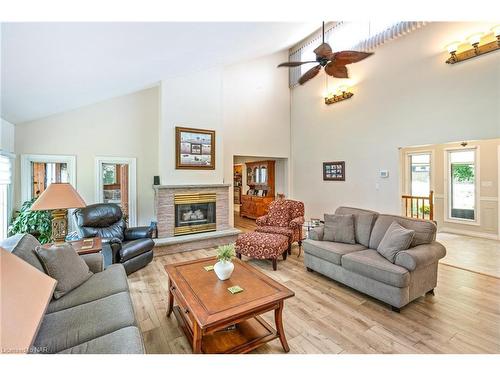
194, 213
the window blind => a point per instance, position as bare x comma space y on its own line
358, 36
5, 171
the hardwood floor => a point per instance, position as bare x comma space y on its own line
327, 317
480, 255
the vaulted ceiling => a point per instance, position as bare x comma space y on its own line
50, 68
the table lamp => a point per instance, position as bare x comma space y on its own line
58, 197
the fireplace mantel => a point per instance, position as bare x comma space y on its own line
191, 186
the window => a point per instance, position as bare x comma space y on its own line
5, 181
45, 173
345, 36
109, 174
462, 184
420, 174
362, 36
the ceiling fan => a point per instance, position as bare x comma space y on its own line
333, 62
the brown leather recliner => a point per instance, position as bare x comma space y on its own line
133, 247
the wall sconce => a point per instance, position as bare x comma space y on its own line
477, 50
343, 93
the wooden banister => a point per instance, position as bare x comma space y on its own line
416, 206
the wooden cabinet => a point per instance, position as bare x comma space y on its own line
261, 190
260, 176
253, 207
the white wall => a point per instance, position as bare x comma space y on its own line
256, 113
404, 95
7, 132
193, 101
247, 104
125, 126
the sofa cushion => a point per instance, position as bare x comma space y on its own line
64, 329
22, 245
110, 281
63, 263
330, 251
396, 239
371, 264
339, 228
123, 341
425, 230
363, 222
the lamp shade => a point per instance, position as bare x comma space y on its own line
58, 196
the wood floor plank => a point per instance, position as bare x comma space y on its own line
328, 317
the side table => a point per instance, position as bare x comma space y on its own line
90, 246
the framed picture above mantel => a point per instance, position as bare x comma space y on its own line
194, 148
334, 171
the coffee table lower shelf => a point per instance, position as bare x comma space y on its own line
242, 338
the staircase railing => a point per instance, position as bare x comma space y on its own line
419, 207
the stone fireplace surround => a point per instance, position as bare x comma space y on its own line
164, 205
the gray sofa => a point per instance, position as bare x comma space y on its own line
96, 317
413, 273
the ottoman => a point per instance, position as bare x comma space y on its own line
262, 246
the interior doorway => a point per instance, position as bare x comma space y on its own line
257, 181
116, 183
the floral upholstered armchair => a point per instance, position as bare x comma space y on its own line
286, 217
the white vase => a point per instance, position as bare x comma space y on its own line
223, 269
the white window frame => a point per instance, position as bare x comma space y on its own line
10, 187
447, 191
498, 196
407, 165
27, 159
132, 183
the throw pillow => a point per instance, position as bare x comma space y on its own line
396, 239
363, 224
65, 265
339, 228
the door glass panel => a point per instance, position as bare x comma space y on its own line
263, 175
115, 185
462, 184
43, 174
420, 174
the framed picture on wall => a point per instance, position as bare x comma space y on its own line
334, 171
194, 148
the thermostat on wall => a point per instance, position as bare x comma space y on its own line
384, 173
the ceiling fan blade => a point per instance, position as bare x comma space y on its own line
311, 73
349, 57
324, 50
292, 64
338, 71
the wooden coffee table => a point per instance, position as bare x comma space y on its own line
216, 321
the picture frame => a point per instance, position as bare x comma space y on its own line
334, 171
194, 148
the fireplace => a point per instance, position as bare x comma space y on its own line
194, 213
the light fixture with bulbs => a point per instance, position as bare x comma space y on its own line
475, 49
343, 93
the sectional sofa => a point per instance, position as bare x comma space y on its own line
360, 266
95, 318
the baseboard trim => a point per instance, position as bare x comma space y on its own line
470, 233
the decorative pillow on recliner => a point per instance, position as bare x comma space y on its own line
64, 264
339, 228
396, 239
